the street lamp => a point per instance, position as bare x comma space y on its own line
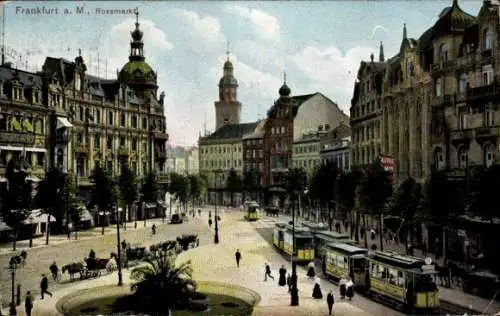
216, 236
118, 245
294, 291
13, 265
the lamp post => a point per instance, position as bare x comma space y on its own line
13, 268
216, 236
118, 245
294, 291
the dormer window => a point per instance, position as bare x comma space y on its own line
488, 39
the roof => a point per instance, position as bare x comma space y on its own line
399, 260
232, 131
135, 65
453, 19
258, 132
347, 248
27, 79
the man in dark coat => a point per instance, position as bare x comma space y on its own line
238, 257
282, 278
289, 282
44, 286
28, 303
330, 301
54, 270
268, 273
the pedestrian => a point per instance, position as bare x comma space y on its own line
350, 289
289, 282
23, 255
153, 229
268, 272
28, 303
92, 254
124, 245
342, 288
330, 300
44, 286
54, 270
310, 270
199, 212
282, 278
135, 225
238, 257
210, 223
317, 294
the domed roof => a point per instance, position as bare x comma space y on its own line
285, 90
453, 19
228, 64
137, 71
132, 66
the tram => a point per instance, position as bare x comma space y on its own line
304, 241
253, 211
344, 260
323, 238
404, 279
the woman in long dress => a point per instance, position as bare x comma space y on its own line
342, 288
282, 278
350, 289
310, 270
317, 294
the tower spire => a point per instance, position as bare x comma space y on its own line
404, 31
137, 45
228, 51
284, 77
381, 57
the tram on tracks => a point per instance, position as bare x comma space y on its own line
304, 241
252, 211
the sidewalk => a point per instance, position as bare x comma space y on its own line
95, 232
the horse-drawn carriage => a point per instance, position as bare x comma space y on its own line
271, 211
188, 241
92, 268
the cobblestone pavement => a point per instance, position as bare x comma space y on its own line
64, 252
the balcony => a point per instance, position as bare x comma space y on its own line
123, 151
443, 66
160, 135
17, 138
80, 148
441, 100
486, 133
463, 136
480, 93
161, 154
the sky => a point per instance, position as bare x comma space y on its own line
318, 44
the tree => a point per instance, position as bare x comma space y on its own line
161, 286
251, 181
18, 200
441, 198
195, 188
323, 186
234, 184
376, 188
72, 206
346, 196
128, 190
179, 187
149, 192
408, 202
103, 194
483, 191
295, 183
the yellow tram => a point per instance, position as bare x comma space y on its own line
283, 240
343, 260
253, 211
405, 279
325, 237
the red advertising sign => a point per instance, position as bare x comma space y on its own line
388, 163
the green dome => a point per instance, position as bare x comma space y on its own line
453, 19
132, 66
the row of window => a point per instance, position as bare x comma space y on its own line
487, 44
83, 166
365, 108
278, 130
16, 123
303, 149
254, 142
18, 93
111, 142
220, 149
341, 160
34, 159
488, 116
488, 152
255, 166
306, 163
367, 132
221, 163
254, 153
487, 78
365, 155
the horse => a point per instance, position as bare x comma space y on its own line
74, 268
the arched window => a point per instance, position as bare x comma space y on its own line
439, 87
462, 83
463, 158
489, 155
443, 53
487, 39
439, 159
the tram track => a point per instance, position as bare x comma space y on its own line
446, 308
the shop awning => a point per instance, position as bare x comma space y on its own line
63, 122
37, 217
2, 180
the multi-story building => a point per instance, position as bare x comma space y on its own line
222, 150
438, 95
306, 152
366, 111
335, 147
193, 160
287, 120
114, 122
253, 155
24, 121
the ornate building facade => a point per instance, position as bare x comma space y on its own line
438, 97
335, 147
112, 123
227, 108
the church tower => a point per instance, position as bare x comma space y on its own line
227, 108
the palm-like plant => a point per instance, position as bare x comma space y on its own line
161, 285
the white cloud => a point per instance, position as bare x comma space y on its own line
197, 27
153, 37
266, 26
331, 71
